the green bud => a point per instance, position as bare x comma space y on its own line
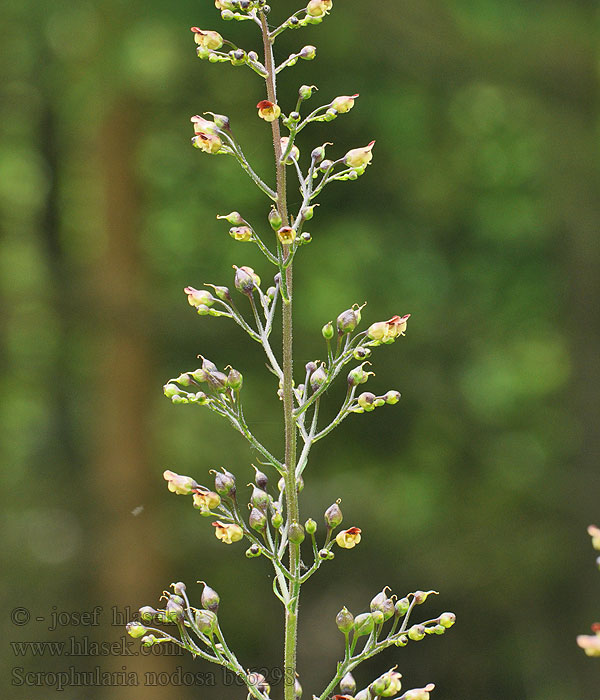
206, 621
447, 619
436, 629
275, 219
349, 319
366, 400
170, 390
378, 617
305, 237
296, 533
416, 633
358, 375
253, 551
333, 515
421, 596
147, 613
227, 15
383, 603
259, 499
235, 379
348, 684
245, 280
344, 620
363, 624
234, 218
327, 331
330, 115
310, 526
402, 606
257, 520
174, 609
277, 519
323, 554
308, 52
237, 57
135, 629
210, 598
318, 378
392, 396
224, 483
297, 689
308, 212
305, 91
222, 293
402, 641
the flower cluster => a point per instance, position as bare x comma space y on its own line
590, 643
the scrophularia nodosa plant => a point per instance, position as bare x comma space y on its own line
590, 643
273, 527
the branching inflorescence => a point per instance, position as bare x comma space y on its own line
273, 528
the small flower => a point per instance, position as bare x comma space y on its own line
241, 233
319, 8
590, 643
286, 235
228, 533
347, 539
181, 485
268, 111
207, 39
359, 157
199, 297
202, 125
344, 103
205, 501
209, 143
388, 331
294, 153
419, 693
594, 533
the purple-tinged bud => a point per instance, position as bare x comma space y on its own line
208, 366
286, 235
253, 551
222, 122
179, 588
382, 603
326, 165
199, 297
294, 117
318, 378
416, 633
447, 619
275, 219
149, 640
363, 624
260, 478
241, 233
297, 689
235, 379
324, 554
217, 381
310, 526
311, 366
246, 280
305, 237
308, 52
210, 598
206, 621
147, 613
392, 396
402, 606
260, 683
378, 617
296, 533
344, 103
364, 695
366, 400
305, 91
349, 319
135, 629
361, 353
259, 499
318, 154
224, 483
221, 293
344, 620
333, 515
330, 115
348, 684
327, 331
358, 375
173, 609
237, 57
277, 519
421, 596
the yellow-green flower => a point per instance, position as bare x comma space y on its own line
268, 111
207, 39
181, 485
359, 157
228, 532
348, 539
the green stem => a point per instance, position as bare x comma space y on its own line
291, 493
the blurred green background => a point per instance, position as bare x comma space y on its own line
479, 216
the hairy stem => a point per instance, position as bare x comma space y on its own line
291, 493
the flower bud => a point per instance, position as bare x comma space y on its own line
205, 501
366, 400
221, 121
361, 353
364, 695
358, 375
246, 280
305, 91
149, 640
174, 609
327, 331
294, 153
170, 390
147, 613
307, 213
224, 483
392, 396
297, 689
209, 143
217, 381
319, 8
318, 154
348, 539
234, 218
207, 39
228, 533
310, 526
388, 684
318, 378
179, 588
253, 551
296, 533
260, 478
198, 297
382, 603
378, 617
359, 157
421, 596
363, 624
305, 237
286, 235
333, 515
259, 499
416, 633
135, 629
436, 629
594, 533
311, 366
348, 684
418, 693
349, 319
447, 619
269, 111
184, 379
241, 233
344, 103
308, 52
275, 219
180, 485
402, 606
235, 379
237, 57
402, 641
330, 115
326, 165
206, 621
344, 620
277, 519
257, 519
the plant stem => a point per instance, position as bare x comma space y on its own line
291, 493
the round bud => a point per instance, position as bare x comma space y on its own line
333, 515
402, 606
363, 624
235, 379
257, 520
209, 598
224, 483
296, 533
253, 551
308, 52
348, 684
206, 621
260, 478
275, 219
318, 378
147, 613
378, 617
361, 353
447, 619
310, 526
327, 331
305, 237
326, 165
416, 633
344, 620
259, 499
305, 91
277, 519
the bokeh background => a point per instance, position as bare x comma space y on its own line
479, 216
